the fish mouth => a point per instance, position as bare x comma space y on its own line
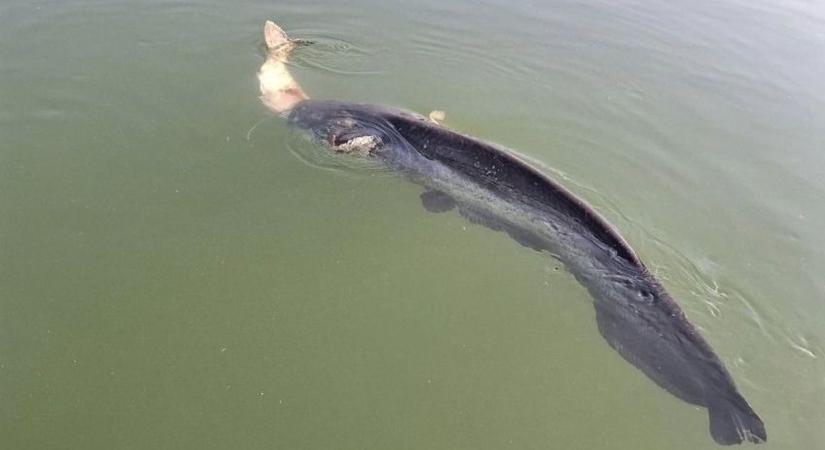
355, 142
345, 132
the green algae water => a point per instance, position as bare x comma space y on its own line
178, 270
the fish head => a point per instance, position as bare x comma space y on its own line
343, 130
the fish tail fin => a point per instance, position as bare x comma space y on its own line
274, 36
733, 421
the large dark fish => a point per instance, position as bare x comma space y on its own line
492, 186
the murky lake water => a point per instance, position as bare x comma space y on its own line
178, 271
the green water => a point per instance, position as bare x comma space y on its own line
177, 273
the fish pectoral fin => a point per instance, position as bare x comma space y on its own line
437, 201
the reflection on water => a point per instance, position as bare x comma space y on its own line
176, 271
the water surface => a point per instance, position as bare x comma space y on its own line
178, 271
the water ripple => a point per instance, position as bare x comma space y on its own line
321, 157
334, 54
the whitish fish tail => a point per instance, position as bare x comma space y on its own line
274, 36
279, 91
732, 421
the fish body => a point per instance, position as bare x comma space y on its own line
493, 186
